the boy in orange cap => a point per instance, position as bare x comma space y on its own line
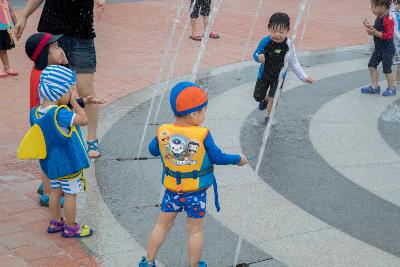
188, 153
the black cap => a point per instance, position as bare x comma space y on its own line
31, 48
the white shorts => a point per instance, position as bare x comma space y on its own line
68, 186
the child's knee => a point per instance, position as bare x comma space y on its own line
195, 226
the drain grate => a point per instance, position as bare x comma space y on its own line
134, 158
254, 262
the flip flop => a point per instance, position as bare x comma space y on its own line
195, 37
11, 72
3, 74
214, 35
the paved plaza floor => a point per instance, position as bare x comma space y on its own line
327, 190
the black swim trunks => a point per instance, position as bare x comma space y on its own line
201, 7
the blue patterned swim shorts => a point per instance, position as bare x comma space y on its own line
194, 203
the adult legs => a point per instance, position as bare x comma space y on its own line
85, 88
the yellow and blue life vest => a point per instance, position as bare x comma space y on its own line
64, 155
186, 165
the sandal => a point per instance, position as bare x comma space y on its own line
3, 74
73, 231
214, 35
195, 37
145, 263
56, 226
11, 72
93, 146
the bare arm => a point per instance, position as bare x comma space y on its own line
13, 16
30, 7
80, 114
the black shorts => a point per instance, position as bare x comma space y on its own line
262, 86
384, 55
81, 54
6, 42
201, 7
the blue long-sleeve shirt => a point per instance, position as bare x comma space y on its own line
215, 154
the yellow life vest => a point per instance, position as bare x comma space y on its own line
187, 167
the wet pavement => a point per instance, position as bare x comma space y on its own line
130, 47
291, 167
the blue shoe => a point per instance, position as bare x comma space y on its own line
40, 189
262, 105
202, 264
145, 263
389, 92
44, 200
370, 90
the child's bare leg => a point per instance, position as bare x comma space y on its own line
398, 75
46, 185
4, 59
195, 240
374, 77
54, 204
390, 79
205, 19
70, 209
164, 223
193, 21
269, 105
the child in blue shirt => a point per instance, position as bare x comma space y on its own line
188, 153
56, 140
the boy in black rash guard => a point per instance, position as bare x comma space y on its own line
272, 53
382, 31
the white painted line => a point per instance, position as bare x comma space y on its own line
345, 133
275, 225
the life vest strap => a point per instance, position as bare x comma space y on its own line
184, 175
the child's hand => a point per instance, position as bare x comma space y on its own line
93, 100
309, 80
371, 31
243, 160
366, 24
99, 5
261, 58
63, 57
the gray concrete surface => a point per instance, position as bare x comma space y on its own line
304, 212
